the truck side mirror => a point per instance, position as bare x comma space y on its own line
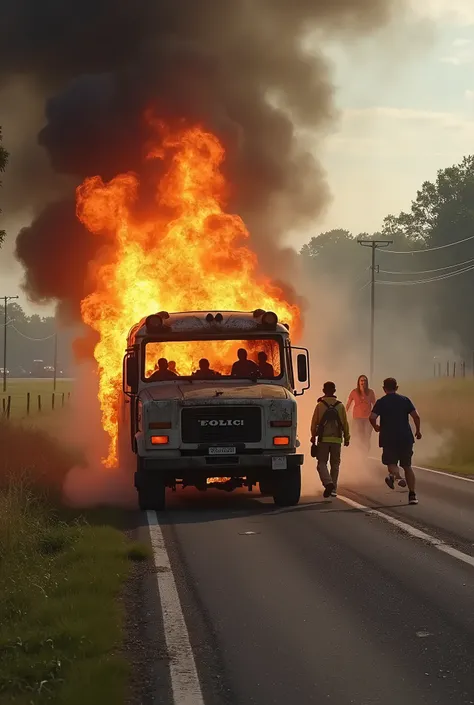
302, 365
132, 373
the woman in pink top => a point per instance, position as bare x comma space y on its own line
363, 399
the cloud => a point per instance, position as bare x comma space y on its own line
460, 12
462, 52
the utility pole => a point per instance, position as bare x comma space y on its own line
55, 363
6, 299
373, 244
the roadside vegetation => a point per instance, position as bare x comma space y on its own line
61, 579
447, 406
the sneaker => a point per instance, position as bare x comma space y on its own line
402, 483
328, 490
390, 481
334, 493
412, 498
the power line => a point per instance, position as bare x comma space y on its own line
48, 337
429, 271
427, 281
429, 249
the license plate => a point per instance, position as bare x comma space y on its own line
226, 450
279, 462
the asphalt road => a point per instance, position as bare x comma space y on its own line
324, 603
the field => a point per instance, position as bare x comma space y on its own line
38, 389
446, 407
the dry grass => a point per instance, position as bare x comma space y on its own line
447, 405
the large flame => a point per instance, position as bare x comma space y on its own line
193, 260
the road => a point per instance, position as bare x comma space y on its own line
321, 603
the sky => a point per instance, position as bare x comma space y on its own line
404, 113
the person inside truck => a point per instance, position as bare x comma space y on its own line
244, 367
163, 372
172, 367
264, 367
204, 371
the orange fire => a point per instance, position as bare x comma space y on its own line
194, 259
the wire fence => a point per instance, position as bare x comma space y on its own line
23, 405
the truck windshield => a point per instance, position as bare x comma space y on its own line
212, 359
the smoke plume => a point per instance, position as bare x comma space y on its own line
240, 68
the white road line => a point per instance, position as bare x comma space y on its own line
184, 676
412, 531
436, 472
446, 474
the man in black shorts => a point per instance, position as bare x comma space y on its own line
396, 436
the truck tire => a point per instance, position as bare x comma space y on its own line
266, 487
287, 488
152, 496
151, 489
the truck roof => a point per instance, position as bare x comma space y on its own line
201, 322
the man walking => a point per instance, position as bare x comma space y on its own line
396, 437
330, 428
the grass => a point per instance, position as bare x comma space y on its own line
61, 578
447, 406
18, 389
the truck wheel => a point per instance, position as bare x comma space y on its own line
151, 489
266, 487
287, 489
152, 496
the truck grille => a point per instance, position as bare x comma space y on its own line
232, 424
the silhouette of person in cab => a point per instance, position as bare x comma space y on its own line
204, 371
163, 372
244, 367
264, 367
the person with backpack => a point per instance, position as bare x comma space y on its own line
329, 429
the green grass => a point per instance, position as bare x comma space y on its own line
61, 577
447, 406
18, 390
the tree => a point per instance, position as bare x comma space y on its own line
442, 214
3, 163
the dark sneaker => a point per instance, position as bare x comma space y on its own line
402, 483
412, 498
390, 482
328, 490
334, 493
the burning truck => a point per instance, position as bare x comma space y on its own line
222, 415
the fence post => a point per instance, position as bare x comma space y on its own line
52, 401
3, 405
463, 368
39, 402
62, 399
27, 403
454, 368
9, 404
447, 369
68, 396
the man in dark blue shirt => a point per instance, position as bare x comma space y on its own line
396, 437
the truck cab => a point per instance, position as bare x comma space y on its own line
209, 401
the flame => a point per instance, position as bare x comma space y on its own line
194, 259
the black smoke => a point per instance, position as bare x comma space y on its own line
239, 67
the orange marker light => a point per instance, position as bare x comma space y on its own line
281, 424
159, 440
281, 441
